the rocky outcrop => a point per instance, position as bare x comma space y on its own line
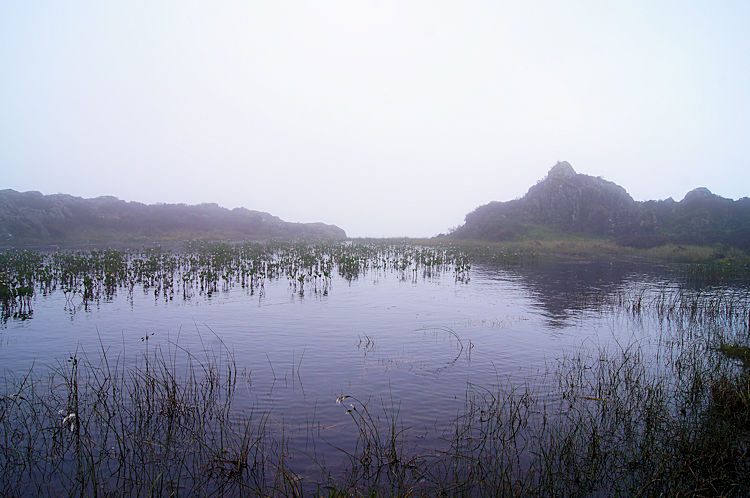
565, 201
576, 202
30, 217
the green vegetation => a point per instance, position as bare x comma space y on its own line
696, 263
205, 268
737, 352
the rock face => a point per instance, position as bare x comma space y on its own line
562, 170
565, 201
578, 202
30, 217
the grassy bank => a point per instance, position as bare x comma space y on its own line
586, 246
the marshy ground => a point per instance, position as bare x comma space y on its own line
665, 414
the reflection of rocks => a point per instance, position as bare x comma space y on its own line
565, 288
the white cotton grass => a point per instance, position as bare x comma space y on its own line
340, 401
70, 420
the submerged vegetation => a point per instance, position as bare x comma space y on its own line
664, 415
206, 268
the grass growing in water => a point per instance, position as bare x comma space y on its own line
160, 427
206, 268
619, 420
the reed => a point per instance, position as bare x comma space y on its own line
87, 277
162, 425
611, 420
668, 416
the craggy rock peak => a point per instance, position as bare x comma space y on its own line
568, 202
562, 169
700, 194
30, 217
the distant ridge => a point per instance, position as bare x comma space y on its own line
569, 202
30, 217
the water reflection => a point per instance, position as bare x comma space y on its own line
562, 289
419, 340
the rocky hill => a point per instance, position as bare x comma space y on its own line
30, 217
568, 202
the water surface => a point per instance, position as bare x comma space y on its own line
412, 340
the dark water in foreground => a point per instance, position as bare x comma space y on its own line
414, 340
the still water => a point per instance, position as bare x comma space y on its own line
411, 340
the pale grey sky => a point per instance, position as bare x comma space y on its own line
385, 118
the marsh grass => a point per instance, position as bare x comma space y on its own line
620, 422
203, 268
160, 426
543, 242
617, 420
666, 416
382, 459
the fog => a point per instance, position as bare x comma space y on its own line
384, 118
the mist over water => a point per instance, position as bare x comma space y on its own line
350, 365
